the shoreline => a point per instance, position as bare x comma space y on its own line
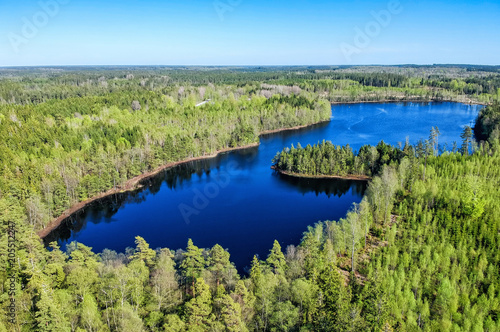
470, 102
274, 131
134, 183
306, 176
129, 186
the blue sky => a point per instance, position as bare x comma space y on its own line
247, 32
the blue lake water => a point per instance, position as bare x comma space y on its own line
237, 201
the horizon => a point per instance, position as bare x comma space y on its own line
257, 66
241, 33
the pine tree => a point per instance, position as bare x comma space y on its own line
256, 272
143, 252
434, 139
193, 263
335, 312
276, 259
199, 309
218, 261
466, 140
245, 299
374, 304
49, 313
231, 315
173, 323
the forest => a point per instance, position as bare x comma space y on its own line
487, 125
466, 83
420, 252
326, 159
60, 152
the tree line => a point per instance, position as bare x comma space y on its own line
487, 127
458, 83
328, 159
420, 252
416, 254
60, 152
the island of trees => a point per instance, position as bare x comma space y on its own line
420, 252
327, 160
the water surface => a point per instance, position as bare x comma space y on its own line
236, 200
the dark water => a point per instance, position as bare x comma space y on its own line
236, 200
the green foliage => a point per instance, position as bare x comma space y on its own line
219, 262
326, 159
231, 315
276, 259
173, 323
420, 252
467, 140
65, 150
143, 252
284, 317
488, 123
334, 315
198, 309
193, 263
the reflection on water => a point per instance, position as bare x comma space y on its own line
255, 206
330, 187
103, 210
99, 211
176, 176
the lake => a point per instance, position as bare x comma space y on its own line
237, 201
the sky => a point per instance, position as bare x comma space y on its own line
248, 32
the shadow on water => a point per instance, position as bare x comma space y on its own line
287, 134
99, 211
254, 206
330, 187
175, 177
103, 210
